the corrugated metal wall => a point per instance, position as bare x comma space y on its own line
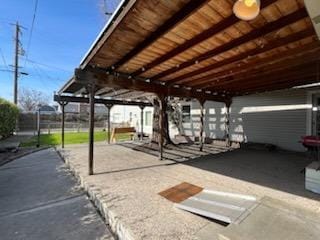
278, 118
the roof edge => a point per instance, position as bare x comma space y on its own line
66, 85
124, 5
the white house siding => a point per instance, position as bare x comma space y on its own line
120, 114
214, 120
278, 118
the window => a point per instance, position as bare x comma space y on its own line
148, 118
186, 113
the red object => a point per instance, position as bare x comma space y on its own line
310, 141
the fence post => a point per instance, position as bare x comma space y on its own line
38, 126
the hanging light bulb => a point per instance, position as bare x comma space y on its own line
246, 9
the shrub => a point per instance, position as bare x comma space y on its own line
8, 116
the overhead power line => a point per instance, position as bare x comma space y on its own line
31, 30
48, 66
4, 60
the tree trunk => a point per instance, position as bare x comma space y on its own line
156, 129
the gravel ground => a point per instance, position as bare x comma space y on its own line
127, 182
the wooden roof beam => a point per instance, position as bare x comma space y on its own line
271, 73
119, 94
256, 78
178, 17
295, 81
285, 59
242, 56
259, 32
226, 23
62, 98
103, 78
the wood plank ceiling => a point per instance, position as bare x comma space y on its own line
202, 45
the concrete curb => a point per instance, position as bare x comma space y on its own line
118, 228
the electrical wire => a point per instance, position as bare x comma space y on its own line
4, 60
48, 66
31, 31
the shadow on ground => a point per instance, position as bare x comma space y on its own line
279, 170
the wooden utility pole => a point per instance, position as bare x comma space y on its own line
16, 64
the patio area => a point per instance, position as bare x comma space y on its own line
127, 181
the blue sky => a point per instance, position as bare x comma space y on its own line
63, 32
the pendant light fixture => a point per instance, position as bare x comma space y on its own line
246, 9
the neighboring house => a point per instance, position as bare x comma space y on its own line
278, 117
46, 109
132, 116
119, 114
84, 108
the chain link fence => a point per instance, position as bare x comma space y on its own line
74, 122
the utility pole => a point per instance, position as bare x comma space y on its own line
16, 64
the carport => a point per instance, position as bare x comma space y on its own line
198, 50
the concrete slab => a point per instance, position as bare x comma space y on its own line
73, 218
39, 199
34, 180
209, 232
126, 185
271, 220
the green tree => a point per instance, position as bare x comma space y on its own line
8, 117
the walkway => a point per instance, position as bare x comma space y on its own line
39, 199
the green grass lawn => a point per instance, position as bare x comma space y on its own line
69, 138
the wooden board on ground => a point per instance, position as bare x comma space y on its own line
180, 192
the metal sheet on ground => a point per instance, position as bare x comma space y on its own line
222, 206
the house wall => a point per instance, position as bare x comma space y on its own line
279, 118
119, 114
132, 115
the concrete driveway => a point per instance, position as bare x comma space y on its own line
40, 199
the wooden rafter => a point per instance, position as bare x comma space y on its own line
178, 17
254, 78
286, 59
264, 30
226, 23
62, 98
185, 78
104, 91
281, 84
118, 93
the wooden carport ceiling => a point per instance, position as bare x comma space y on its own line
202, 45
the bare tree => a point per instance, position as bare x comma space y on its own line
175, 112
30, 99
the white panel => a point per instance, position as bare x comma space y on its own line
277, 118
313, 177
223, 206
